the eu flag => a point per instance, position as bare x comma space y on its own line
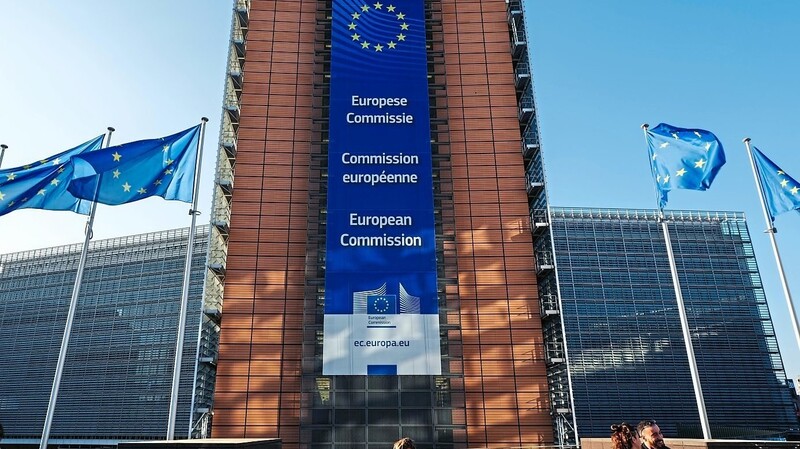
682, 158
133, 171
781, 191
382, 304
43, 184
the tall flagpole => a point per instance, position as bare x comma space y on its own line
771, 232
687, 336
2, 153
187, 269
76, 288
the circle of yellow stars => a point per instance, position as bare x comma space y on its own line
378, 6
126, 187
381, 305
700, 163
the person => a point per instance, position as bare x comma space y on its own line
652, 438
625, 436
404, 443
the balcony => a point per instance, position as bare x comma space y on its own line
548, 305
526, 105
539, 222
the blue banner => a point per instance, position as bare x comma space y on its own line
381, 304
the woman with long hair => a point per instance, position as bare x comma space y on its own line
625, 436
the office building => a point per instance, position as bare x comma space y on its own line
376, 167
624, 345
118, 372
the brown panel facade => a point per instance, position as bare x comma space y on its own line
495, 361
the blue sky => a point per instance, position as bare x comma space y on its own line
151, 68
601, 69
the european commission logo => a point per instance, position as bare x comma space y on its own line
378, 302
382, 304
378, 27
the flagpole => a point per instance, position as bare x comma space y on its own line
176, 369
771, 232
76, 288
2, 153
687, 337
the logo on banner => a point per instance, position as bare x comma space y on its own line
377, 302
377, 28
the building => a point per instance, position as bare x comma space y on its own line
624, 344
456, 117
118, 372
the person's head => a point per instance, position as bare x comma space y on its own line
624, 436
404, 443
651, 434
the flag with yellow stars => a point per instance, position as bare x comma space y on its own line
43, 184
781, 191
682, 158
133, 171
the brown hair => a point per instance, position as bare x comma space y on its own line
404, 443
622, 436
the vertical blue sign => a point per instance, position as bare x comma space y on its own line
381, 304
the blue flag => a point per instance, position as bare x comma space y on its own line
133, 171
682, 158
781, 191
43, 184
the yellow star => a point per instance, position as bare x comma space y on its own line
794, 190
401, 37
390, 8
378, 5
61, 169
654, 156
116, 173
355, 36
126, 187
26, 166
708, 146
2, 196
780, 172
42, 192
43, 161
356, 15
168, 171
681, 172
404, 26
365, 8
352, 26
157, 182
116, 156
784, 183
11, 176
401, 16
666, 179
168, 161
142, 191
55, 181
11, 203
56, 161
378, 47
24, 199
365, 45
664, 145
392, 44
658, 178
165, 149
675, 136
700, 163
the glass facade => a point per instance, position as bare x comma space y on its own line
624, 343
118, 372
